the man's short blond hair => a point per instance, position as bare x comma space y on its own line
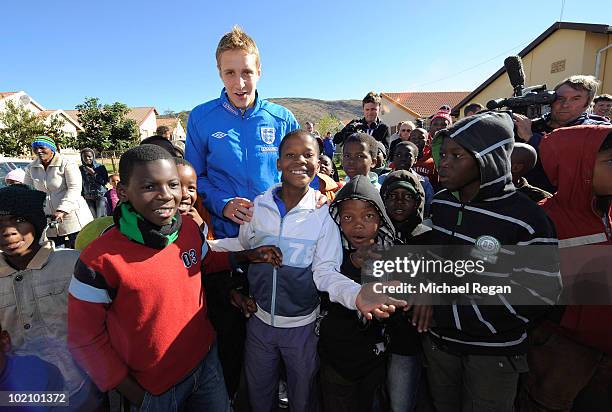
581, 82
236, 39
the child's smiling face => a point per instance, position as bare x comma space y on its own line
17, 235
114, 181
154, 190
359, 221
299, 160
326, 166
189, 187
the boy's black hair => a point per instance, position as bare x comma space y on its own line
410, 145
526, 154
179, 161
298, 132
366, 139
472, 107
137, 156
164, 144
21, 201
607, 143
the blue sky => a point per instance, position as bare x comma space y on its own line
154, 53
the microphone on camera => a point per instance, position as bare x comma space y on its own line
514, 68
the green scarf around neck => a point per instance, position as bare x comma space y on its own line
138, 229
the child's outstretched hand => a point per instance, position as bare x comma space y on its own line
370, 302
246, 304
261, 254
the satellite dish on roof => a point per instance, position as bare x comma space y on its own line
24, 100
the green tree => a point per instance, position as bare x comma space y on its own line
329, 123
20, 126
106, 126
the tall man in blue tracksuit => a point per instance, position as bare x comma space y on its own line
232, 143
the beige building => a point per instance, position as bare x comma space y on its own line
565, 49
70, 128
403, 106
145, 118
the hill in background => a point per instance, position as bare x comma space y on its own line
312, 110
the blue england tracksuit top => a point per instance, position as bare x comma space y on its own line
234, 152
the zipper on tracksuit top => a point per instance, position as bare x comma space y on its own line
274, 269
274, 272
459, 220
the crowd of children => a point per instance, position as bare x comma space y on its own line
129, 312
136, 307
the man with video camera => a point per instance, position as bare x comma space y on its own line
369, 123
573, 98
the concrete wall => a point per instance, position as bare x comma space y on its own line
605, 66
391, 114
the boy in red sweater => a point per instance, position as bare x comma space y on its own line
137, 317
570, 359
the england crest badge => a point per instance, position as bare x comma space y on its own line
268, 134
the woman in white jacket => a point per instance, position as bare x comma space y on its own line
61, 180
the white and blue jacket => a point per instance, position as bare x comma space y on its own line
234, 152
287, 296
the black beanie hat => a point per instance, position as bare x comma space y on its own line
21, 201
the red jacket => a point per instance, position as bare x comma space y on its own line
568, 157
141, 311
425, 166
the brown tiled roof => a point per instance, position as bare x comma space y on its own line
425, 104
46, 113
74, 115
171, 122
139, 114
5, 94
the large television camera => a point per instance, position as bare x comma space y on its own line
528, 101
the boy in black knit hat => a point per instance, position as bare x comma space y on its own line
34, 279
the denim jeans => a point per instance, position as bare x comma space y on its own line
403, 376
203, 390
